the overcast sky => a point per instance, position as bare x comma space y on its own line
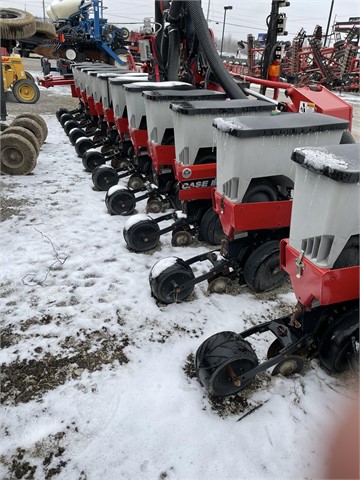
245, 17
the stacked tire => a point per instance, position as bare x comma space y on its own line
20, 144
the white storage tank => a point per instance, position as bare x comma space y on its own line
62, 9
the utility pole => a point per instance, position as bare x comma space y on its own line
328, 24
228, 7
43, 5
208, 12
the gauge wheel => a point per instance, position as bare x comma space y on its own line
135, 181
261, 190
18, 155
210, 227
26, 91
91, 160
181, 238
175, 201
24, 132
262, 270
142, 236
82, 145
221, 359
38, 119
104, 178
30, 125
166, 280
220, 285
339, 344
75, 134
120, 202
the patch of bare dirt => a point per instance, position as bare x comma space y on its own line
25, 380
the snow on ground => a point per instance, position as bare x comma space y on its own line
97, 379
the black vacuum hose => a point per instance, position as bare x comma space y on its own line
173, 54
173, 17
202, 31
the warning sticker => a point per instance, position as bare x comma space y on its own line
307, 107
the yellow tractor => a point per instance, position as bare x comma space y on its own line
21, 83
14, 25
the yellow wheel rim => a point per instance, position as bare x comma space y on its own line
26, 92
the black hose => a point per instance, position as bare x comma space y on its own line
173, 55
212, 56
165, 46
173, 18
175, 10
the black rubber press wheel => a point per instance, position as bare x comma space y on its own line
120, 202
166, 278
104, 177
142, 236
221, 359
92, 159
82, 145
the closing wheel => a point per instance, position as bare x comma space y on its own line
210, 227
18, 155
104, 177
120, 162
82, 145
221, 359
339, 344
38, 119
120, 202
107, 148
154, 205
135, 182
24, 132
181, 238
288, 366
142, 236
91, 160
220, 285
26, 91
262, 270
166, 278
